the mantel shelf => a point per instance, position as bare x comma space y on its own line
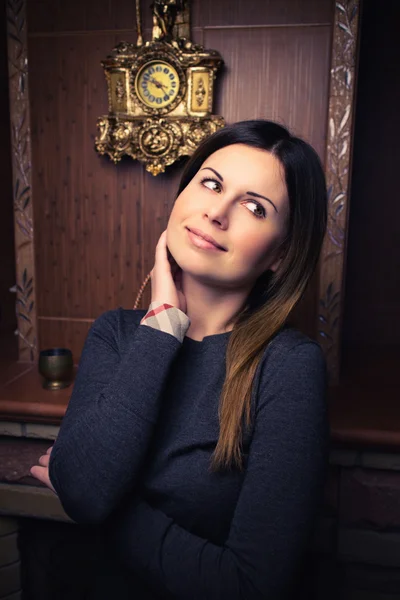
22, 397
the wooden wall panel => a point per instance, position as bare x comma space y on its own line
80, 15
96, 223
272, 73
87, 215
209, 13
92, 15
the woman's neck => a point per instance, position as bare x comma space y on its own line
210, 309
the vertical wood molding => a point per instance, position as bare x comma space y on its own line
21, 174
338, 163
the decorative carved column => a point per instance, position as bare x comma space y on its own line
22, 189
338, 164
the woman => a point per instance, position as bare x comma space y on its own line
197, 430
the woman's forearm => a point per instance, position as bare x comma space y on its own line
110, 418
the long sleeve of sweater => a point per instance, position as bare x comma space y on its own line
275, 511
111, 413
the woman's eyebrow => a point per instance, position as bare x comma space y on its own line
249, 193
214, 171
265, 198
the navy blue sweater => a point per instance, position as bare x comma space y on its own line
134, 453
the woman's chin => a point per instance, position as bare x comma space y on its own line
201, 275
214, 280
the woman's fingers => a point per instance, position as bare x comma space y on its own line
161, 249
44, 460
38, 473
41, 471
163, 287
42, 474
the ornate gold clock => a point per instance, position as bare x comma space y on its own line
160, 93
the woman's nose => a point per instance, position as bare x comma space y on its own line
219, 214
217, 218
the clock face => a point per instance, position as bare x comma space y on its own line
157, 84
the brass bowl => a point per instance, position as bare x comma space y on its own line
56, 366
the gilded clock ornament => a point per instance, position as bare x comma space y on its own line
160, 92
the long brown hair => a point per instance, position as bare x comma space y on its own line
274, 294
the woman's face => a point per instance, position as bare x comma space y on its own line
239, 198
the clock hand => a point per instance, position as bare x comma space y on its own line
157, 83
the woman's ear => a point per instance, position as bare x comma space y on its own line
280, 254
276, 264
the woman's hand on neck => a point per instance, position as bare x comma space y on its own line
166, 277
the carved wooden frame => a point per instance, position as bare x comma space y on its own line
337, 169
21, 177
338, 159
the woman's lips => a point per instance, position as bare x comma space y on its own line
202, 243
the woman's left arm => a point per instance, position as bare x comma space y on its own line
276, 509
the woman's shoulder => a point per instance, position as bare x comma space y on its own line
289, 347
293, 373
118, 321
289, 337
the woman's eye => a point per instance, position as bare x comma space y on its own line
212, 184
260, 211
